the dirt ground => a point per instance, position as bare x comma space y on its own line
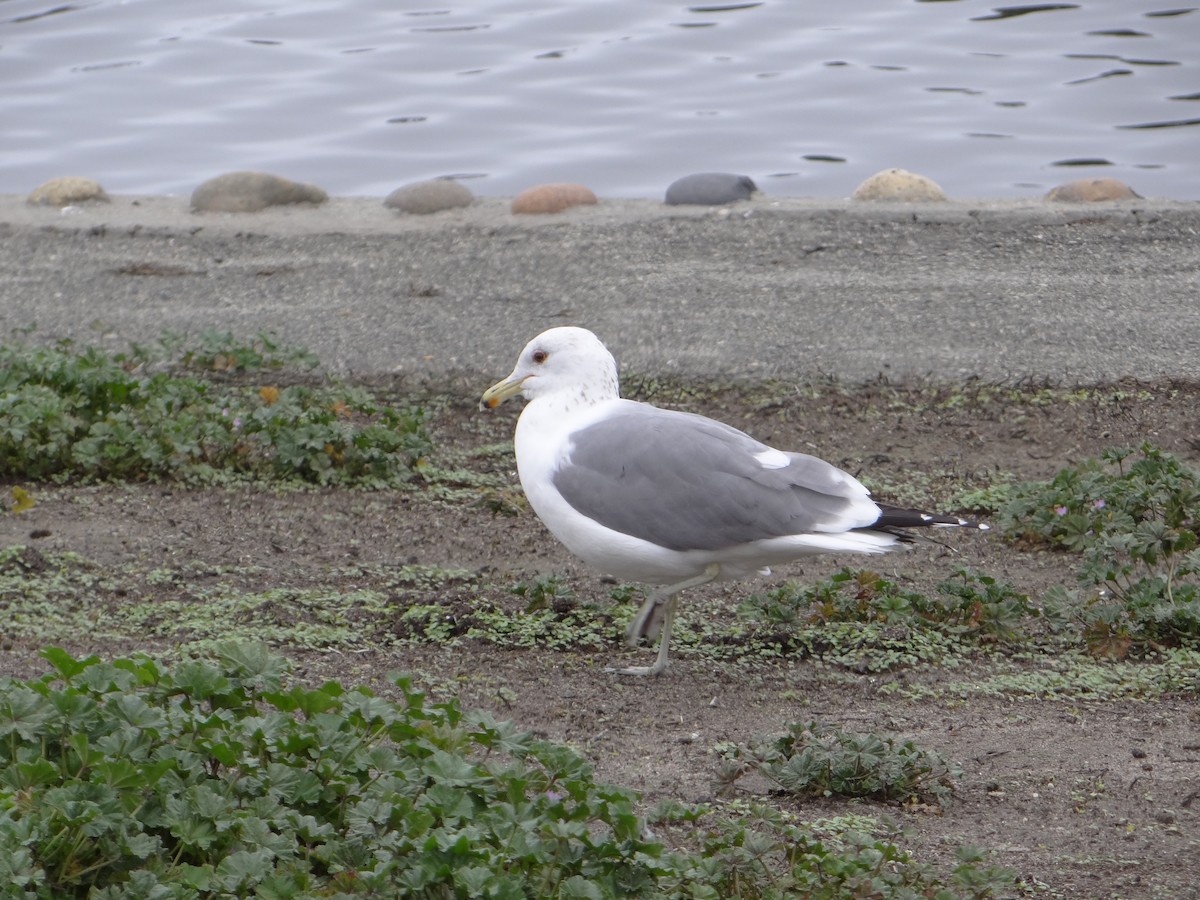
1083, 798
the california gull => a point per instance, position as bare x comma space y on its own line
672, 498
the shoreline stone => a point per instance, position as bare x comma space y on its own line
898, 185
1092, 190
552, 198
239, 192
425, 197
710, 189
68, 191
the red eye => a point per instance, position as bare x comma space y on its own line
540, 356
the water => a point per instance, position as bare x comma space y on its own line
808, 98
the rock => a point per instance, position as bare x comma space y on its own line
552, 198
251, 192
425, 197
898, 184
710, 189
1092, 190
68, 191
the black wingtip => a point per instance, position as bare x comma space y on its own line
898, 517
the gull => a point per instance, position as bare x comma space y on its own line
670, 498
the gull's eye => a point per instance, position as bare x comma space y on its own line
540, 356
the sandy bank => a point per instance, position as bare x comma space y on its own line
998, 289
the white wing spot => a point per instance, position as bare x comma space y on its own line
773, 459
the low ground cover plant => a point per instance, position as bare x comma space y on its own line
82, 413
217, 778
1134, 517
862, 621
215, 350
220, 778
820, 759
969, 605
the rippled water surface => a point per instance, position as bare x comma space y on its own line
808, 98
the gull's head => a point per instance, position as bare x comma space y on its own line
567, 363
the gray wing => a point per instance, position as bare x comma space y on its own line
685, 482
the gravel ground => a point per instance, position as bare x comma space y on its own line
1000, 290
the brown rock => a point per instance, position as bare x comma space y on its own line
251, 192
552, 198
425, 197
898, 184
68, 191
1092, 190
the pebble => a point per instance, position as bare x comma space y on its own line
251, 192
710, 189
899, 184
424, 197
67, 191
552, 198
1092, 190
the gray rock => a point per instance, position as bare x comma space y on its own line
68, 191
710, 189
425, 197
251, 192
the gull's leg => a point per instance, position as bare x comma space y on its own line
664, 643
648, 621
669, 596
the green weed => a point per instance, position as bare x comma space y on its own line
968, 607
218, 777
1077, 676
68, 413
819, 759
547, 591
552, 618
761, 852
221, 351
1134, 519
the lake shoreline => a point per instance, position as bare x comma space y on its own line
994, 289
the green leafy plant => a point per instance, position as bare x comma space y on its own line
551, 619
818, 759
968, 605
67, 413
1134, 518
1076, 675
219, 779
216, 351
762, 852
545, 592
221, 351
982, 607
